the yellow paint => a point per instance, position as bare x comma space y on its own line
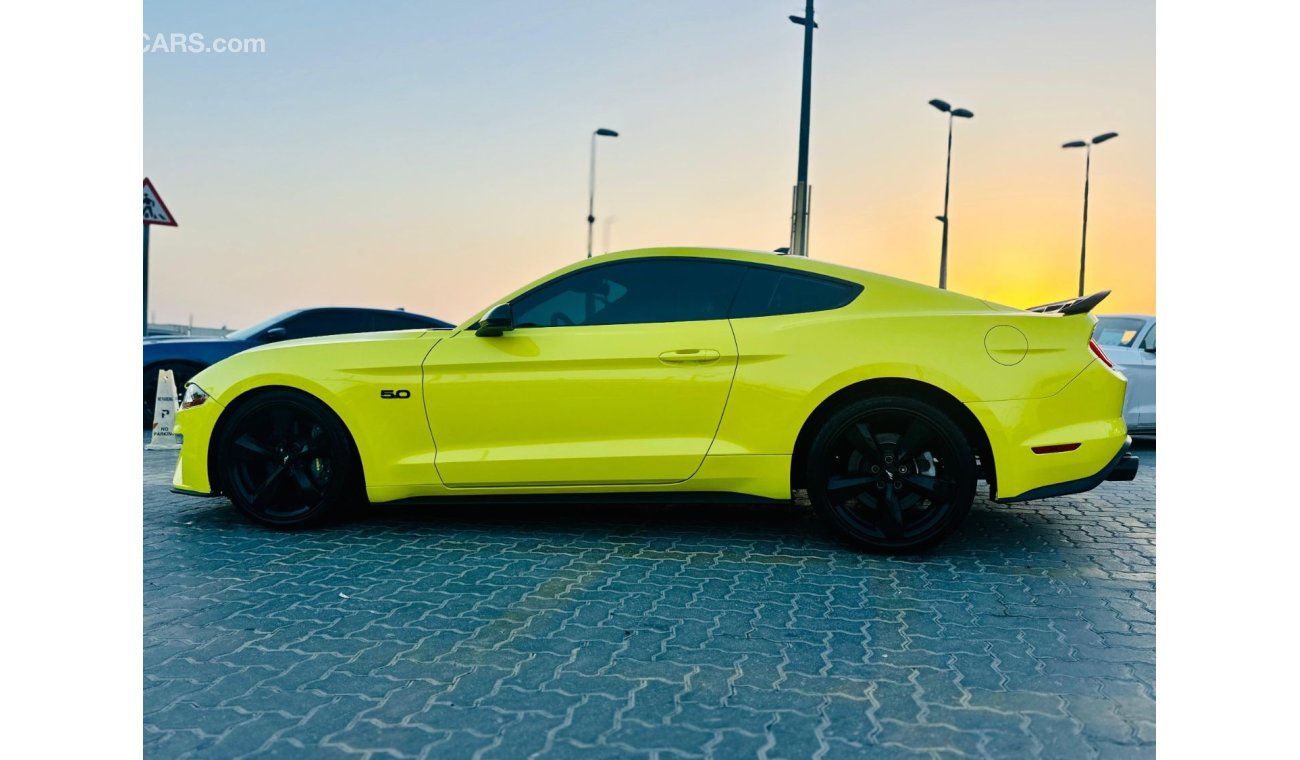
624, 408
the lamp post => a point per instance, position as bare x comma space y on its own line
799, 223
591, 188
1087, 170
947, 181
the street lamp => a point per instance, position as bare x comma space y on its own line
961, 113
591, 188
799, 223
1087, 170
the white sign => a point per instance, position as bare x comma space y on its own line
164, 413
155, 211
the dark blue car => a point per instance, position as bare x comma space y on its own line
186, 356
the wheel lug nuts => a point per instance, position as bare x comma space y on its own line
889, 460
875, 468
902, 470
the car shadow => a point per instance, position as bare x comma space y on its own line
785, 529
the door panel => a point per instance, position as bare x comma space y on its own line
601, 404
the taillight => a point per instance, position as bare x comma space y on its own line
1096, 349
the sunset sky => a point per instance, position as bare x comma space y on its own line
434, 155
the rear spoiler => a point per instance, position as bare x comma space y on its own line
1073, 306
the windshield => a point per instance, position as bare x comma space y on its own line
248, 333
1117, 331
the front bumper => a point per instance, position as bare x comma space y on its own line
195, 425
1123, 466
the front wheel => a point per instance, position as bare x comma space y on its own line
891, 474
286, 460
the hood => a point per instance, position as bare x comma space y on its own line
348, 339
306, 363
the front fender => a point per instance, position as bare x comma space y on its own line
390, 431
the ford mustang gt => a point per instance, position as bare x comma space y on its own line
676, 374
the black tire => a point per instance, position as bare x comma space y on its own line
891, 474
181, 371
286, 460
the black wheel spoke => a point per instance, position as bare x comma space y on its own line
841, 488
261, 492
932, 488
248, 447
861, 439
914, 439
304, 481
891, 512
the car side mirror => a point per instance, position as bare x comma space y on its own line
1149, 349
499, 319
275, 333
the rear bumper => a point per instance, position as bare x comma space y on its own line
1087, 412
1123, 466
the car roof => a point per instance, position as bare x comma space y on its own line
766, 258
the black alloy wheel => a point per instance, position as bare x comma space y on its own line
891, 474
286, 460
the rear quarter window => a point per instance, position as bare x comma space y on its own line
767, 291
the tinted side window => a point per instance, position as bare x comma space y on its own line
767, 291
326, 322
633, 292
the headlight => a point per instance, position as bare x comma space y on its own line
194, 396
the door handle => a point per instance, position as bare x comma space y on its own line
689, 356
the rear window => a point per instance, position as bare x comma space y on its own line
768, 291
1117, 331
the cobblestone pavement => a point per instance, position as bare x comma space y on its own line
649, 631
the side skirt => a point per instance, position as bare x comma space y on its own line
651, 497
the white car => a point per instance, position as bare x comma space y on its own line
1130, 342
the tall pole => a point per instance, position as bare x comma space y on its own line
799, 229
964, 113
1087, 177
591, 186
146, 280
591, 195
1083, 249
947, 182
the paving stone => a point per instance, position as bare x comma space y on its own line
650, 631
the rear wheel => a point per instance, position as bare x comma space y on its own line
286, 460
891, 474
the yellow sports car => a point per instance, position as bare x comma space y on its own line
676, 374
